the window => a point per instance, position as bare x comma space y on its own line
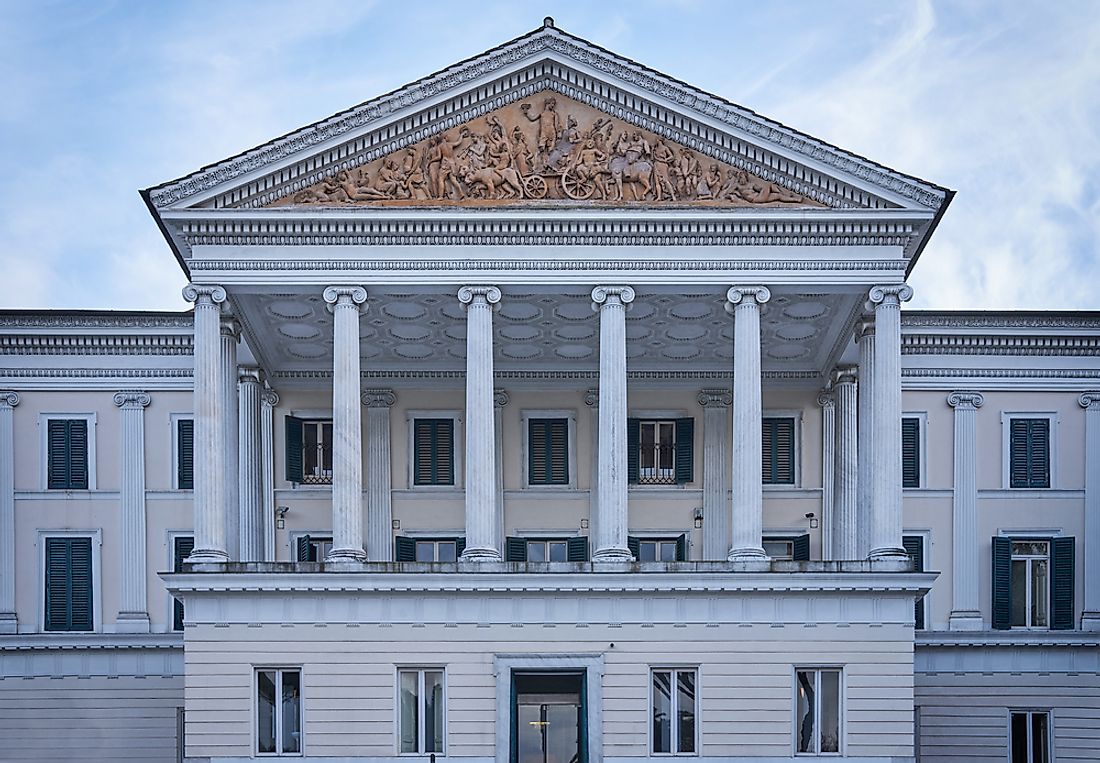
1033, 583
279, 711
309, 451
658, 549
433, 451
420, 704
778, 451
914, 546
1029, 452
910, 452
660, 451
428, 549
546, 550
794, 548
68, 584
1030, 736
185, 454
67, 454
674, 711
817, 711
548, 451
312, 548
182, 546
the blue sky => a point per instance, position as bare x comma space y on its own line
999, 101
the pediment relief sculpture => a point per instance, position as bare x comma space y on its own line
546, 148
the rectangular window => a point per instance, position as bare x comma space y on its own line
182, 546
185, 454
1033, 583
420, 707
408, 549
573, 549
1029, 453
548, 451
660, 451
279, 711
778, 451
308, 451
914, 546
794, 548
674, 711
67, 454
313, 548
68, 584
817, 711
910, 452
658, 549
433, 451
1030, 584
1030, 733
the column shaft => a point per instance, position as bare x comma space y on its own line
9, 622
230, 339
379, 508
846, 467
1090, 616
716, 473
965, 569
269, 400
133, 615
500, 399
865, 337
250, 488
592, 400
828, 469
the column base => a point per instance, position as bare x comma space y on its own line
9, 623
480, 554
207, 556
1090, 621
132, 622
613, 555
348, 556
965, 620
747, 554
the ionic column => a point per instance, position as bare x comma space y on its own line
865, 339
379, 508
846, 467
250, 487
592, 400
209, 394
828, 466
268, 400
716, 473
230, 339
965, 569
481, 479
886, 519
500, 399
133, 615
9, 623
611, 490
1090, 615
347, 426
748, 492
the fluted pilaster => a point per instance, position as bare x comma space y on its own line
865, 339
133, 615
268, 400
9, 622
592, 401
250, 488
500, 399
965, 569
1090, 616
717, 536
827, 401
379, 509
846, 467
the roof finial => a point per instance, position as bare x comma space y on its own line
548, 22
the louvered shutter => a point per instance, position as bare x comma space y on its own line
548, 452
515, 549
68, 584
57, 585
778, 451
633, 448
635, 545
577, 549
80, 590
183, 547
57, 456
433, 452
1063, 566
1039, 454
800, 548
78, 455
1002, 583
294, 460
185, 454
682, 548
914, 546
304, 551
460, 545
910, 452
685, 451
404, 549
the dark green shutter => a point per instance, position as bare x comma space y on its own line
635, 545
682, 548
515, 549
800, 548
67, 454
1063, 565
185, 454
68, 584
685, 451
910, 452
433, 452
1029, 452
577, 549
777, 453
1002, 583
548, 452
294, 461
183, 547
460, 545
914, 546
78, 455
633, 450
404, 549
305, 550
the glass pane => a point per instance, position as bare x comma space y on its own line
1039, 588
292, 711
409, 717
1019, 592
265, 711
558, 552
1040, 744
685, 710
667, 429
562, 733
662, 711
536, 551
804, 711
531, 732
647, 551
425, 551
668, 551
778, 549
309, 449
448, 551
830, 711
649, 450
326, 448
433, 711
1019, 738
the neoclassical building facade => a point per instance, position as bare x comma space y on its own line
549, 409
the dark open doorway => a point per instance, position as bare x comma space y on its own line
549, 717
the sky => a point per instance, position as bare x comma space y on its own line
999, 101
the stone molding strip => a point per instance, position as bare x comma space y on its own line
143, 344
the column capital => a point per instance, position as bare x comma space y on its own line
865, 327
132, 400
9, 398
612, 295
468, 295
592, 398
735, 295
345, 296
249, 375
826, 399
890, 294
845, 375
269, 397
501, 398
378, 398
204, 295
1089, 400
718, 398
229, 327
965, 400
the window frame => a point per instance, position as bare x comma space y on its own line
44, 419
1030, 711
313, 535
571, 447
842, 711
1029, 588
170, 564
674, 735
1006, 447
926, 547
96, 537
673, 416
314, 480
796, 456
174, 420
420, 670
922, 450
256, 669
664, 537
457, 451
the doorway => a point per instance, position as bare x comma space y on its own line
549, 717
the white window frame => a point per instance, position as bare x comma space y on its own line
170, 553
436, 538
294, 535
1006, 447
96, 536
922, 448
571, 448
656, 536
458, 449
782, 536
1013, 538
528, 539
651, 414
842, 700
174, 420
1048, 711
796, 466
256, 669
44, 419
674, 738
420, 715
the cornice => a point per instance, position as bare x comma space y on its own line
69, 320
1000, 344
1001, 320
96, 344
96, 373
999, 373
549, 375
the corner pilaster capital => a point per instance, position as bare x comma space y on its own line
612, 295
715, 398
470, 295
1089, 400
378, 398
204, 295
9, 398
758, 295
501, 398
865, 328
845, 375
966, 400
826, 399
249, 375
269, 397
345, 296
230, 327
130, 400
592, 398
890, 294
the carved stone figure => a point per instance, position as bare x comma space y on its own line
550, 126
